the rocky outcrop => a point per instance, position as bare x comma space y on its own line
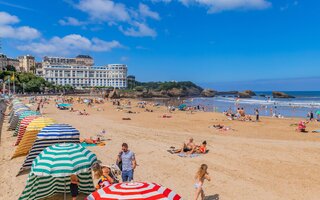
114, 94
281, 95
175, 92
208, 93
244, 95
250, 92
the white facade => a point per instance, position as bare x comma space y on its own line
112, 75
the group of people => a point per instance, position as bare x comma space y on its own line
189, 147
107, 175
241, 115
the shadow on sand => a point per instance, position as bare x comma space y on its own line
212, 197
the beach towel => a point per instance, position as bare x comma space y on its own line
185, 155
84, 144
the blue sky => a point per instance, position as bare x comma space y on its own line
224, 44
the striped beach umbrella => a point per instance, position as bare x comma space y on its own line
49, 135
61, 160
42, 187
136, 190
15, 111
22, 116
23, 126
30, 135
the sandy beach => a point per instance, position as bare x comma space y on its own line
259, 160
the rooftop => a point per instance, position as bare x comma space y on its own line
84, 56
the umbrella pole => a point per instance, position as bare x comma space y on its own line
65, 188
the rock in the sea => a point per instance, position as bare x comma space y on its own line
208, 93
250, 92
281, 95
244, 95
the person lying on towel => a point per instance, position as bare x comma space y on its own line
188, 147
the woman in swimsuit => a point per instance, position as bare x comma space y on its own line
201, 175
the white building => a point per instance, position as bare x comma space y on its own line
112, 75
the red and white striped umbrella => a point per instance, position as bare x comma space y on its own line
137, 190
23, 126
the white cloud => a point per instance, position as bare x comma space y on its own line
69, 44
6, 18
163, 1
117, 14
7, 30
139, 30
104, 10
71, 21
146, 12
215, 6
124, 58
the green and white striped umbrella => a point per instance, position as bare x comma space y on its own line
63, 159
41, 187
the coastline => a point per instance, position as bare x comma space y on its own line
268, 158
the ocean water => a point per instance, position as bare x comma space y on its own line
305, 101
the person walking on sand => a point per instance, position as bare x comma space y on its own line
257, 115
200, 177
128, 160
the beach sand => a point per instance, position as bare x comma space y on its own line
260, 160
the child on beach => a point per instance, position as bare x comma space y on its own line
201, 175
74, 186
104, 177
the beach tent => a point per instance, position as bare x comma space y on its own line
22, 116
23, 126
51, 170
41, 187
64, 105
182, 106
49, 135
19, 115
30, 135
136, 190
15, 111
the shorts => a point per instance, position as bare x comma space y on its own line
127, 176
74, 190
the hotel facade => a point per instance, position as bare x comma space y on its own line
111, 75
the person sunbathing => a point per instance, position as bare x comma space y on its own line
202, 149
83, 113
89, 140
188, 147
222, 127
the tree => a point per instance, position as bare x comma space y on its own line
33, 69
10, 68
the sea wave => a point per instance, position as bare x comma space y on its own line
300, 103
